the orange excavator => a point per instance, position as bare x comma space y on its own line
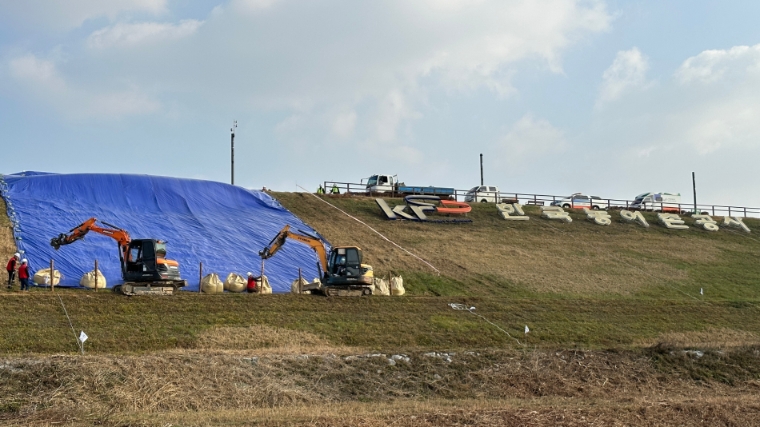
342, 272
144, 267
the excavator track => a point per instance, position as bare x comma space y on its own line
143, 288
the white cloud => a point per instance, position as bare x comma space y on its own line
392, 111
344, 124
713, 65
132, 34
41, 79
627, 72
253, 5
529, 139
39, 73
69, 14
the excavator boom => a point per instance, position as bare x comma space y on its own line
78, 233
284, 234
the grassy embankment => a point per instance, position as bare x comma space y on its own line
617, 291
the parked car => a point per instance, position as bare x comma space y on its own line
483, 194
665, 202
578, 201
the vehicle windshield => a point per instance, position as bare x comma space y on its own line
473, 189
372, 181
161, 250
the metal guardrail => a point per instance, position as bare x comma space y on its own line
548, 199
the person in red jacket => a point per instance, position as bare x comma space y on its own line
251, 283
11, 268
23, 275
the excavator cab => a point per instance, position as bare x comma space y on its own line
345, 272
345, 262
146, 261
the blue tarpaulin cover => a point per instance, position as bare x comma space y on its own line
218, 224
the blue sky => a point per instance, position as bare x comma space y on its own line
611, 98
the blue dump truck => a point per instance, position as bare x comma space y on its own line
388, 184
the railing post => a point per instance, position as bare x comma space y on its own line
200, 276
729, 211
96, 275
52, 276
713, 210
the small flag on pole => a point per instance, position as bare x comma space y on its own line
526, 330
82, 337
701, 291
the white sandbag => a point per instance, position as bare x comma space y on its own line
381, 286
297, 285
42, 277
397, 286
235, 283
263, 284
88, 280
211, 284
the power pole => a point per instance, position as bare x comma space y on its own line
481, 169
694, 186
232, 152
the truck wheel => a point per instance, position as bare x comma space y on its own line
566, 206
595, 208
484, 201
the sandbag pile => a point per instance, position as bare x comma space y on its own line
263, 285
397, 286
381, 286
42, 277
88, 280
235, 283
211, 284
297, 285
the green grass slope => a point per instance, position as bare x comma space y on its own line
494, 257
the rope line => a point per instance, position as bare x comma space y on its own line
462, 307
70, 324
375, 231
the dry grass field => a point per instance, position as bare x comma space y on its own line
620, 335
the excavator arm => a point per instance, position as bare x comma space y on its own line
284, 234
78, 233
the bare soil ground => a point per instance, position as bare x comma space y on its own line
658, 386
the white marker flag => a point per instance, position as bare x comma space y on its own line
82, 337
526, 330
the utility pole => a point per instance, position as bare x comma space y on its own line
694, 186
481, 169
232, 152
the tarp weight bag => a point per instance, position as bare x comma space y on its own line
397, 286
263, 284
211, 284
235, 283
88, 280
42, 277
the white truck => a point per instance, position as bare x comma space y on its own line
664, 202
483, 194
379, 184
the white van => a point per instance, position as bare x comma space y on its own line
483, 194
665, 202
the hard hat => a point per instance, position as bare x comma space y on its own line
250, 274
17, 255
23, 261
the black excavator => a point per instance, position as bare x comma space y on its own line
341, 271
